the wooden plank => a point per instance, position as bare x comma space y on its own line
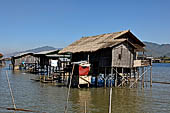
85, 80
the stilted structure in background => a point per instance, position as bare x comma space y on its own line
23, 60
44, 63
112, 56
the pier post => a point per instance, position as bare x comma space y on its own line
122, 74
138, 73
105, 78
110, 101
115, 77
134, 72
151, 76
96, 80
143, 77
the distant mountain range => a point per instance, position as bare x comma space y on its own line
36, 50
157, 50
152, 49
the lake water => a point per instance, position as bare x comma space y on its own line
50, 98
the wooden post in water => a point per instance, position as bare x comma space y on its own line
68, 93
151, 76
130, 76
146, 74
96, 81
110, 101
85, 109
122, 74
105, 78
143, 77
134, 72
9, 85
138, 73
130, 73
116, 78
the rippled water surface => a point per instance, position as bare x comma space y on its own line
50, 98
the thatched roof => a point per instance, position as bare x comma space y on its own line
94, 43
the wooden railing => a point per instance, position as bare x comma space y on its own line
140, 63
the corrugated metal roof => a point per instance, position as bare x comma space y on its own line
46, 52
22, 54
59, 56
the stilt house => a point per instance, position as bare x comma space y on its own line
23, 59
112, 53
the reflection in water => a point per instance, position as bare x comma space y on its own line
123, 100
52, 99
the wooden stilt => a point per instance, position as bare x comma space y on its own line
105, 78
138, 79
130, 76
138, 72
110, 101
115, 77
143, 77
150, 76
122, 75
96, 81
111, 76
11, 93
85, 109
68, 93
134, 72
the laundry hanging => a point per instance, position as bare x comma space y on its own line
83, 70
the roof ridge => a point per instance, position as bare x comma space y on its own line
107, 33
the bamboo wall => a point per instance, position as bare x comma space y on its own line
25, 59
122, 56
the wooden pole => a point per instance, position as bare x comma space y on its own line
111, 77
134, 72
85, 110
143, 72
143, 77
122, 75
138, 72
115, 78
110, 101
96, 81
68, 93
13, 101
138, 78
105, 78
151, 76
130, 73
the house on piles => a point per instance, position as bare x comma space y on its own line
44, 62
23, 60
113, 55
50, 62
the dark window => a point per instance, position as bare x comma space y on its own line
119, 57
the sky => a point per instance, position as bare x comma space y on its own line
28, 24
